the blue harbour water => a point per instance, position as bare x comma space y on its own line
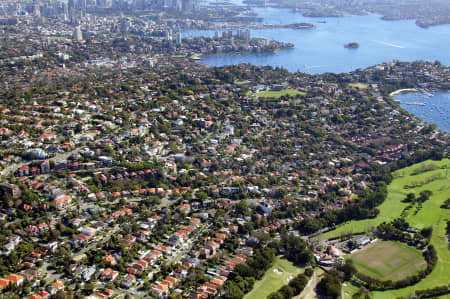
433, 109
322, 50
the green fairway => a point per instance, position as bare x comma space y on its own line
359, 85
393, 206
278, 94
273, 279
397, 261
350, 290
430, 214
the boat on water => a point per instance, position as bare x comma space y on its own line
416, 103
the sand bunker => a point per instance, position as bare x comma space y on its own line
278, 271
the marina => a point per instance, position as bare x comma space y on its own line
432, 108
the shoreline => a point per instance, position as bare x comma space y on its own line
405, 90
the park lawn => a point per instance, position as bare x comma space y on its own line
279, 94
429, 215
359, 85
272, 281
396, 262
242, 82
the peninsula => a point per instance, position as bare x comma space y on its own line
425, 13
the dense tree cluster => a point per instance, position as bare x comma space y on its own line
362, 208
242, 279
330, 285
294, 288
399, 230
296, 249
434, 292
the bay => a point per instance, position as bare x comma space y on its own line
433, 109
322, 49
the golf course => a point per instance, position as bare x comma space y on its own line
379, 262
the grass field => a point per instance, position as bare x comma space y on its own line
397, 261
430, 214
359, 85
274, 280
278, 94
241, 82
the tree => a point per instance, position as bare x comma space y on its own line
232, 291
425, 195
348, 269
276, 295
410, 197
89, 288
426, 232
297, 250
241, 207
298, 283
287, 291
330, 285
309, 272
244, 270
